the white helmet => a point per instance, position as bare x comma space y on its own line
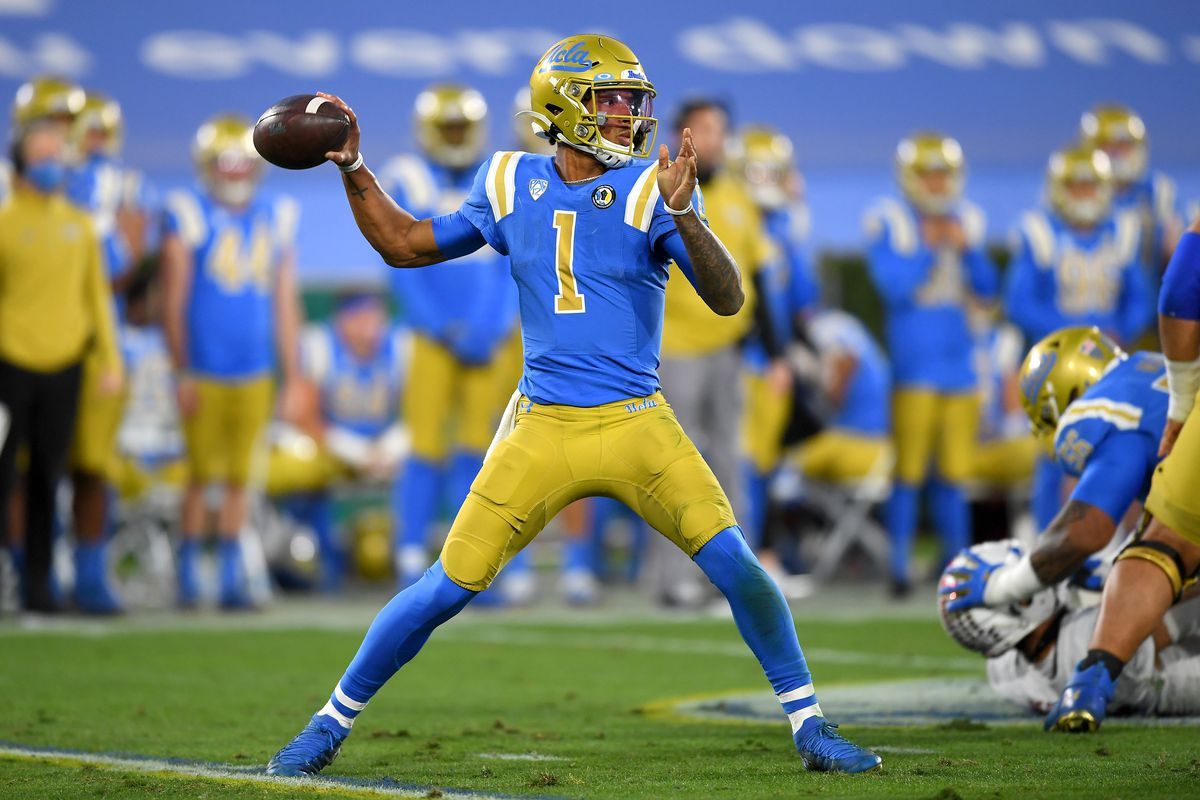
993, 631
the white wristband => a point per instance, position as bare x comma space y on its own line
1012, 583
675, 213
358, 162
1183, 381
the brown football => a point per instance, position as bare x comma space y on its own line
298, 131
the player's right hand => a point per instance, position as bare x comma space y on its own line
187, 395
1170, 434
969, 583
349, 152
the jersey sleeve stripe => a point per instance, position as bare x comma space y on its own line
1041, 237
510, 182
639, 206
491, 182
501, 184
1121, 416
901, 227
191, 219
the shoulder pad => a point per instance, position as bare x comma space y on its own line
891, 217
185, 206
974, 223
501, 182
1163, 196
643, 197
1037, 229
285, 213
316, 351
1127, 233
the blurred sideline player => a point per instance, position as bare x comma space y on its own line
927, 261
357, 363
230, 302
589, 419
1031, 649
1151, 575
462, 315
98, 185
1006, 451
1149, 194
55, 308
763, 159
700, 351
1076, 263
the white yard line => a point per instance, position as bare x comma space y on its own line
229, 773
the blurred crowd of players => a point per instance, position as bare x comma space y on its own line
190, 390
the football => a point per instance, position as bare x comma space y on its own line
298, 131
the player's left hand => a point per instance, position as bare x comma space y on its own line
293, 402
969, 581
1170, 434
677, 179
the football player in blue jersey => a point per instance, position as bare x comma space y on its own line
1076, 263
763, 158
1104, 413
1149, 194
589, 233
927, 260
462, 315
230, 304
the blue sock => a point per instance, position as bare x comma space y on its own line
319, 515
901, 514
756, 504
577, 554
464, 466
418, 501
952, 515
188, 577
398, 632
764, 620
229, 561
89, 566
1046, 500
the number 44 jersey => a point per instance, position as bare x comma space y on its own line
590, 261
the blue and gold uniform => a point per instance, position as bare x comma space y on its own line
590, 261
463, 316
935, 409
1108, 438
230, 324
1007, 451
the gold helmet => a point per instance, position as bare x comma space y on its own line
586, 83
46, 97
225, 158
762, 157
1059, 369
1075, 168
922, 154
101, 118
451, 124
1121, 134
527, 134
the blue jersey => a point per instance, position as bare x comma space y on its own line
469, 303
361, 395
866, 407
788, 282
1153, 202
98, 186
1061, 277
925, 293
1108, 438
590, 261
236, 254
150, 430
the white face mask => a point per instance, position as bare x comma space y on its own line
236, 193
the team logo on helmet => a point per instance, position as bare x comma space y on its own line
576, 58
538, 187
603, 196
1031, 384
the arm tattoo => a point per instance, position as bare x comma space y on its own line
718, 279
357, 191
1060, 553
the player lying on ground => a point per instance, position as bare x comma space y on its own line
590, 232
1032, 647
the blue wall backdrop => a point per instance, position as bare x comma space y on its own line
845, 80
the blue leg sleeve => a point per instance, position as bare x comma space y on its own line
952, 515
1047, 492
901, 513
418, 501
400, 630
762, 616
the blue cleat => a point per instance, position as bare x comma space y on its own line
1083, 703
823, 749
313, 749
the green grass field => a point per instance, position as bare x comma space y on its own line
542, 704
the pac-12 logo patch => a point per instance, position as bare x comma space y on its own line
538, 187
603, 196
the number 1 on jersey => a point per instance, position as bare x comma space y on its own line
568, 300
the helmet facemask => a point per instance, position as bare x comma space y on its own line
1079, 185
232, 177
626, 109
